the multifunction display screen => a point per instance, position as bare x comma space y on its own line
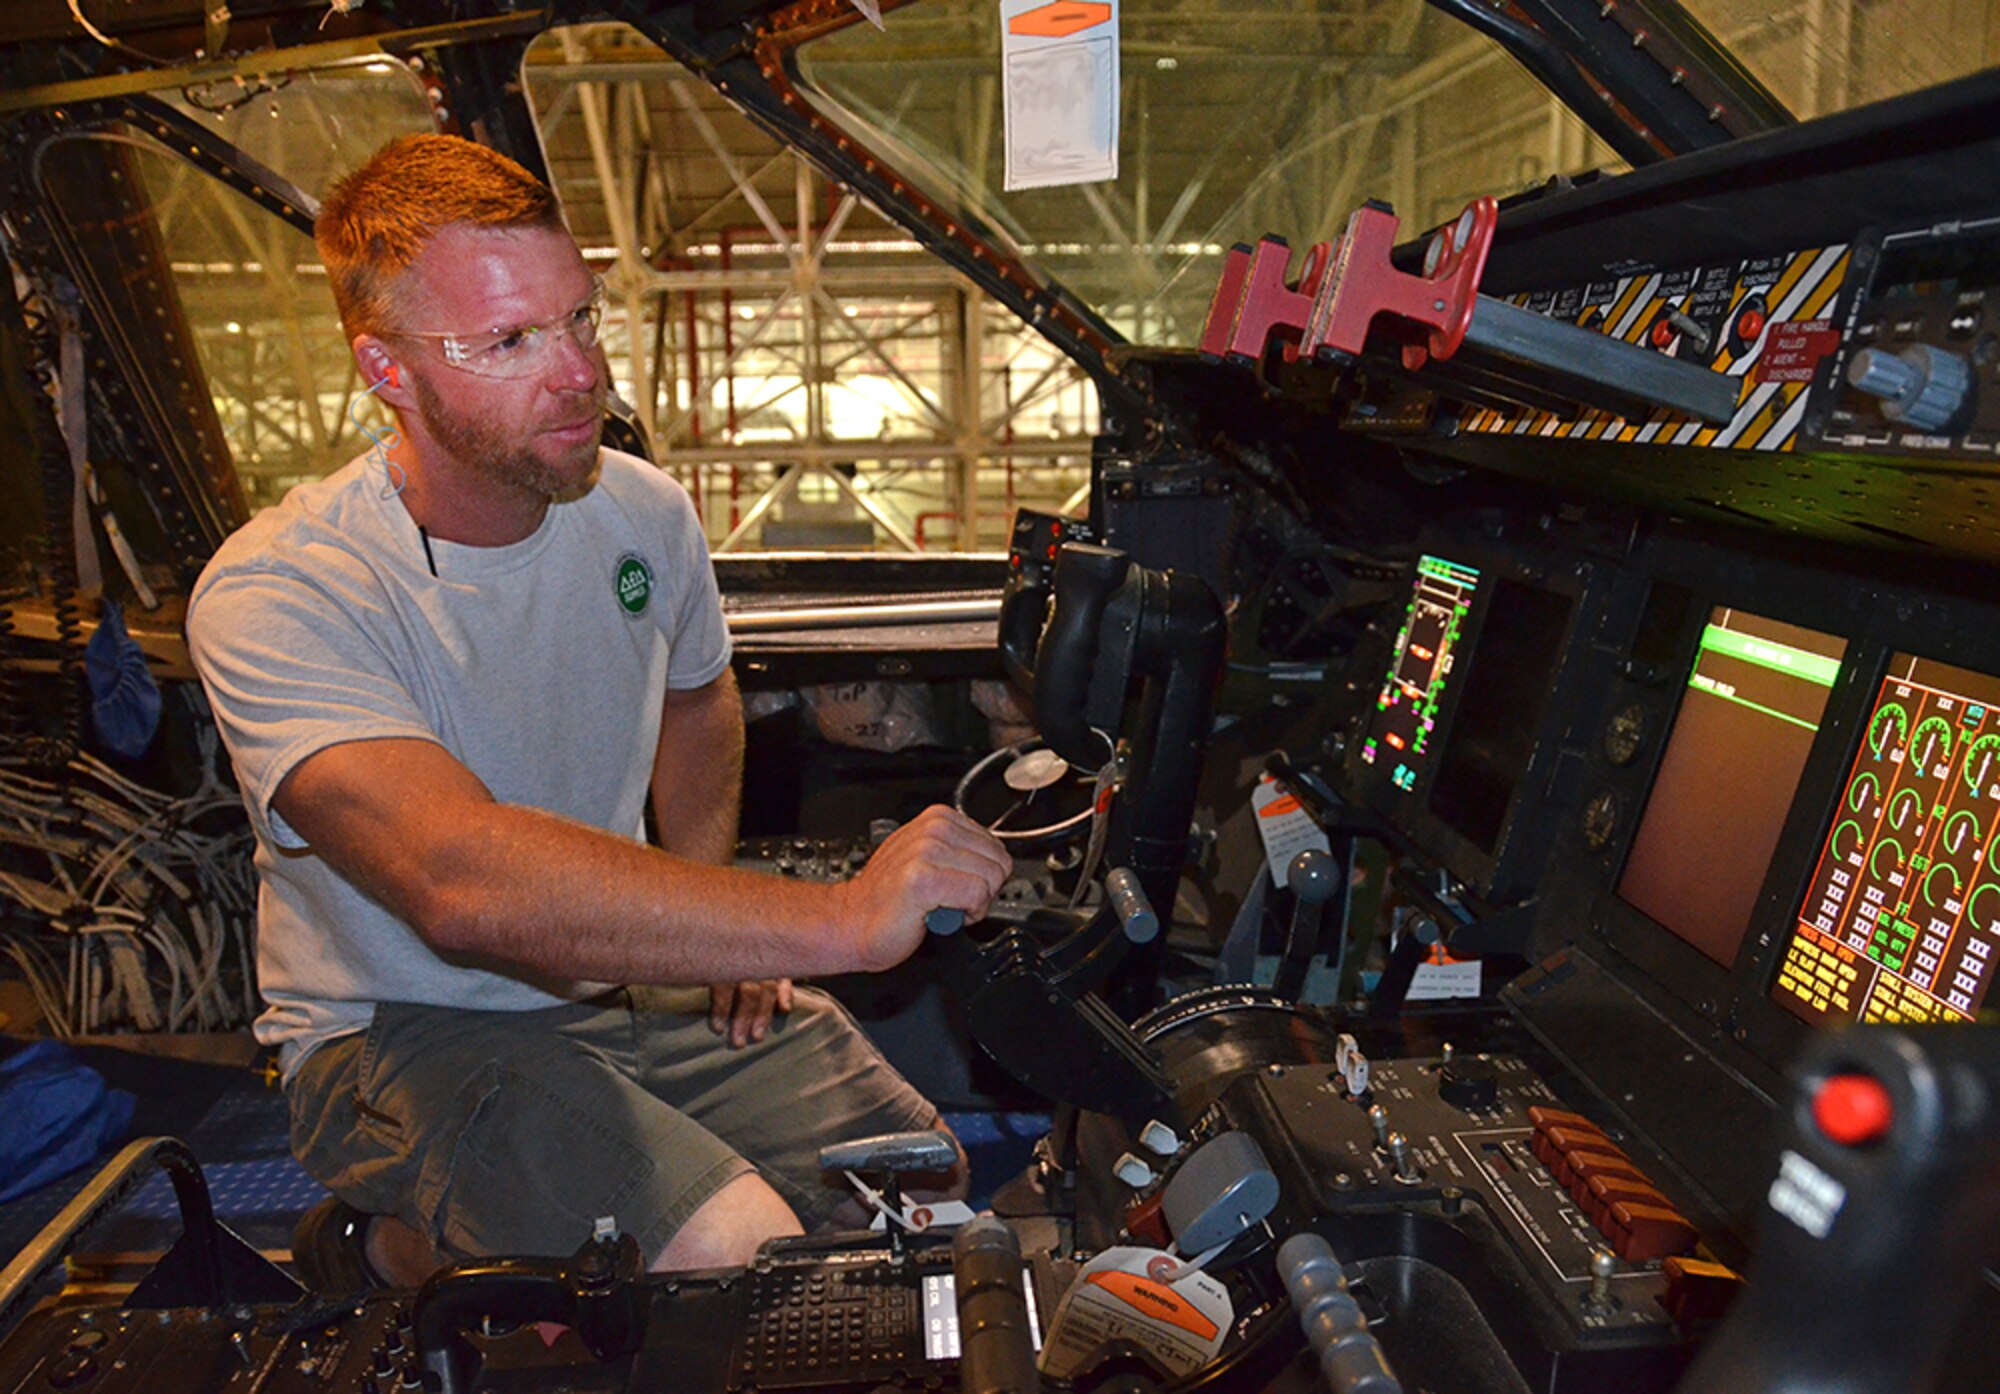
1404, 726
1753, 704
1902, 915
1504, 694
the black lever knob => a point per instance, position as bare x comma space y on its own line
1314, 877
996, 1335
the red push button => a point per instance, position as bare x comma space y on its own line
1749, 325
1663, 332
1853, 1110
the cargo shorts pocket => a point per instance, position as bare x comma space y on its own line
523, 1168
361, 1153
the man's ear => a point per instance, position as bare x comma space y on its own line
382, 371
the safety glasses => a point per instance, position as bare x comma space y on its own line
524, 351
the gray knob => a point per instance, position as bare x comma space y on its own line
1351, 1360
1313, 876
1135, 912
1922, 387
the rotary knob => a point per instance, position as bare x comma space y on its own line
1922, 387
1469, 1084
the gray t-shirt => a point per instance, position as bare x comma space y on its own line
542, 666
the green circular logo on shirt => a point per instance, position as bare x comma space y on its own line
633, 583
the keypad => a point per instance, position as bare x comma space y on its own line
816, 1325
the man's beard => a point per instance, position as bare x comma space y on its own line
488, 449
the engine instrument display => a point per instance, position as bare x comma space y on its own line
1404, 724
1902, 915
1727, 779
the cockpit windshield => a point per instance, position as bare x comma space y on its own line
1823, 56
1251, 118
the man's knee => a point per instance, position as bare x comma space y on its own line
729, 1227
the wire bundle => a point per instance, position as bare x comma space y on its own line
123, 907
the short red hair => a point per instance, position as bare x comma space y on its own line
376, 220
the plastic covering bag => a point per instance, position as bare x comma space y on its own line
1009, 719
885, 716
763, 702
60, 1115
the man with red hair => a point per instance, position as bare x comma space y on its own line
452, 677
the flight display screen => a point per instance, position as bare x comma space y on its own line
1902, 916
1755, 698
1403, 727
1493, 733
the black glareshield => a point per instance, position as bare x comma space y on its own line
1112, 625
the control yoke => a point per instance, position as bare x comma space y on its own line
1112, 623
597, 1293
1030, 991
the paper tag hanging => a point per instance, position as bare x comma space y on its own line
1105, 790
1284, 827
1059, 70
1152, 1299
871, 10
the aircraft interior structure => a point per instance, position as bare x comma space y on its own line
1506, 763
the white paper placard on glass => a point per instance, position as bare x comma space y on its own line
1059, 71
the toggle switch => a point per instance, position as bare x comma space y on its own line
1406, 1165
1598, 1301
1133, 1172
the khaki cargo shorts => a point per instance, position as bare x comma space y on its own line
510, 1132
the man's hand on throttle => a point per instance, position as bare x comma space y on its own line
938, 858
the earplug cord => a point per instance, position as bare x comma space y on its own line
385, 439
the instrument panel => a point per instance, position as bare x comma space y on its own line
1767, 795
1900, 918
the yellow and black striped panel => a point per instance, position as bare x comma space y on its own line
1794, 287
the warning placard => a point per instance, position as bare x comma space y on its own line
1175, 1314
1793, 349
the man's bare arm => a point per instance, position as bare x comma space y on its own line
697, 803
414, 828
698, 773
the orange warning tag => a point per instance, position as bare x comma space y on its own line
1174, 1312
1157, 1301
1060, 20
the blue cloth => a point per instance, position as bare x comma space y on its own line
60, 1114
124, 698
